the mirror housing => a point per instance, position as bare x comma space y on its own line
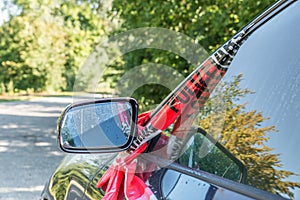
100, 126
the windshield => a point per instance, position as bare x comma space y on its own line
255, 109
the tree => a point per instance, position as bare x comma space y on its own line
243, 134
45, 43
43, 46
85, 22
209, 23
32, 46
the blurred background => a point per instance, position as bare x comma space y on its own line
43, 43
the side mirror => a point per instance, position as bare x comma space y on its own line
101, 126
201, 151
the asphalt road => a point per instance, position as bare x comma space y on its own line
28, 147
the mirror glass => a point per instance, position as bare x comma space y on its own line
203, 153
97, 125
177, 186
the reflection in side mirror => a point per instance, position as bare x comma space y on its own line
204, 153
106, 125
176, 186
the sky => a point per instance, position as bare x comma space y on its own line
3, 14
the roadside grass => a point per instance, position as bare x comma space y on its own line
24, 97
8, 98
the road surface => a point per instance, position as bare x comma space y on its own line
28, 148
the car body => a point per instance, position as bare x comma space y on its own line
267, 68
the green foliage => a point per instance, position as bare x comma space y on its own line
209, 23
31, 54
84, 25
43, 47
242, 132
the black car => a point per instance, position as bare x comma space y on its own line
245, 148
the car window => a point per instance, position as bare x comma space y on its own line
266, 70
255, 110
259, 105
